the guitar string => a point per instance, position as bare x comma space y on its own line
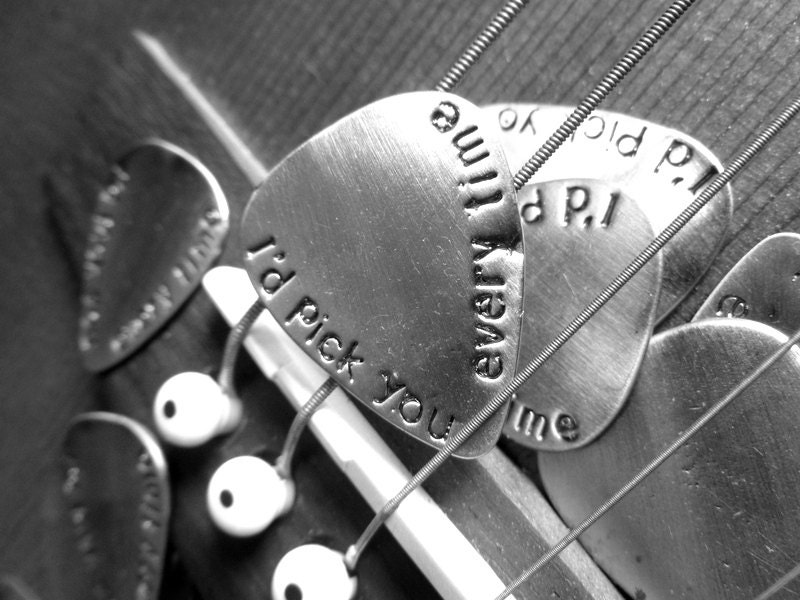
648, 469
641, 47
501, 20
780, 584
233, 344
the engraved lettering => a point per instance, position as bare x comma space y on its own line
677, 155
533, 211
484, 248
490, 305
732, 306
328, 341
410, 409
392, 386
602, 127
487, 335
437, 432
445, 116
527, 422
469, 146
349, 360
306, 310
628, 145
529, 123
612, 204
577, 200
475, 202
489, 365
507, 118
707, 176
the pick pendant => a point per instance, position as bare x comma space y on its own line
579, 234
718, 519
661, 168
158, 226
764, 286
118, 501
389, 248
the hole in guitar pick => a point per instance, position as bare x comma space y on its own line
169, 409
226, 498
445, 116
293, 592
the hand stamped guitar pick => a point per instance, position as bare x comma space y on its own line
662, 169
389, 248
718, 519
118, 501
579, 234
764, 286
157, 228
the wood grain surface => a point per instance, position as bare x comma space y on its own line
78, 91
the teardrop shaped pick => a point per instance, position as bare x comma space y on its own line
719, 519
661, 168
118, 501
389, 248
579, 234
158, 226
764, 286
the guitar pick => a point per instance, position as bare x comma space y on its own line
764, 286
718, 519
661, 168
158, 226
579, 234
118, 501
389, 248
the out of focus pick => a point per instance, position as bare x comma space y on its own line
118, 501
718, 519
579, 234
158, 226
764, 286
660, 168
389, 248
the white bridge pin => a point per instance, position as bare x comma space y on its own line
313, 572
191, 408
246, 494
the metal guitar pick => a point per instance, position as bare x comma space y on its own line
719, 519
158, 226
764, 286
661, 168
118, 499
389, 248
579, 234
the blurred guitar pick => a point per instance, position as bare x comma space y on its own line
719, 519
763, 286
389, 248
118, 501
158, 226
579, 234
661, 168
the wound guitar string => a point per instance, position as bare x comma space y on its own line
639, 49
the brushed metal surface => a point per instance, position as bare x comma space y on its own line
157, 227
661, 168
719, 519
118, 500
764, 286
389, 248
579, 234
